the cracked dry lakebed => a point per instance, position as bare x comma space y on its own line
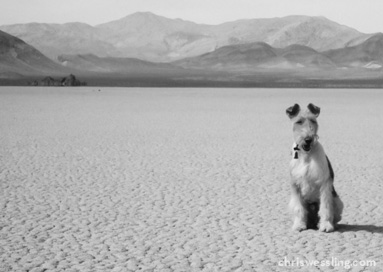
159, 179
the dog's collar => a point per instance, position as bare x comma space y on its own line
296, 149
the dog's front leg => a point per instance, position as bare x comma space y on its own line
326, 208
298, 209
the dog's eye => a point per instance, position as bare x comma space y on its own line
300, 122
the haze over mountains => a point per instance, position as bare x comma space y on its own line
147, 44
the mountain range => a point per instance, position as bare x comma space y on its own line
145, 44
150, 37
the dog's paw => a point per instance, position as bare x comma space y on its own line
299, 226
326, 226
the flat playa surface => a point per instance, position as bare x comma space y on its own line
180, 179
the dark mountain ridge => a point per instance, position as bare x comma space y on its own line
258, 55
18, 58
368, 54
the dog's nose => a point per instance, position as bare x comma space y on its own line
308, 140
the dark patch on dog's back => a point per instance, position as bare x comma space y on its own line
331, 170
334, 194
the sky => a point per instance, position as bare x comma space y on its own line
363, 15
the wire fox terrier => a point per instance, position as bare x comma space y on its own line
313, 200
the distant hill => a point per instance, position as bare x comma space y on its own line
151, 37
155, 38
258, 55
56, 39
106, 65
242, 56
18, 59
303, 56
368, 54
318, 33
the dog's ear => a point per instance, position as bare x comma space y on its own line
313, 109
293, 111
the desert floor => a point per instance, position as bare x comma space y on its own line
180, 180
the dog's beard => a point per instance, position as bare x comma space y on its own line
307, 146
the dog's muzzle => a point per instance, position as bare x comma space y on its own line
308, 143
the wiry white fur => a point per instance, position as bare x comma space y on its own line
310, 172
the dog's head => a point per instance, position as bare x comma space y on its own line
305, 126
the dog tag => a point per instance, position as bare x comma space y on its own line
296, 152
